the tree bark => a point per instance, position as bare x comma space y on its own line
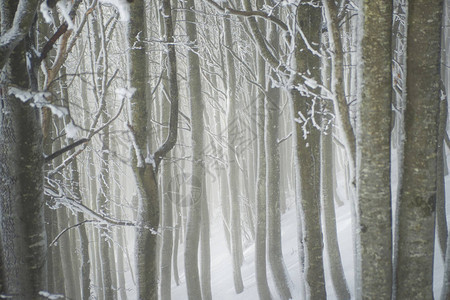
327, 193
307, 152
233, 183
418, 194
261, 207
22, 224
198, 288
374, 250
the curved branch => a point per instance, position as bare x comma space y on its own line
173, 88
249, 13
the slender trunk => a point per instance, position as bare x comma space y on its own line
233, 182
272, 155
261, 210
307, 152
198, 288
327, 195
165, 177
441, 216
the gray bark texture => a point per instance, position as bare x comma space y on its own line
261, 210
233, 169
373, 152
23, 235
167, 187
198, 288
418, 193
145, 171
272, 155
327, 194
307, 153
148, 203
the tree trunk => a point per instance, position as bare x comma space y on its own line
23, 234
198, 288
374, 250
272, 155
148, 203
233, 169
307, 151
261, 210
327, 194
418, 194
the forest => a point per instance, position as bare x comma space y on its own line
224, 149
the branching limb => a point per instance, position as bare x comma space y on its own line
65, 149
249, 13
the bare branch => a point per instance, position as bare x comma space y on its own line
65, 149
249, 13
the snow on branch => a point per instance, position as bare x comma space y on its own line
249, 13
38, 100
23, 19
61, 198
122, 6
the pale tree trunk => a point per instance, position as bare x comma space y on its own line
103, 196
23, 235
145, 165
121, 251
338, 87
327, 194
167, 215
198, 288
418, 194
272, 155
85, 289
148, 203
307, 153
261, 210
233, 169
374, 247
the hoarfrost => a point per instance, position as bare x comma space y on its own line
71, 130
65, 8
312, 83
51, 296
125, 93
38, 100
122, 6
46, 13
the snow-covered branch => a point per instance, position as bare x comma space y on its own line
23, 19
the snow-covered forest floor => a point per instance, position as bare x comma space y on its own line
221, 265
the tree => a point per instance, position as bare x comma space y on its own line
307, 153
145, 165
418, 193
373, 149
261, 206
23, 235
233, 183
198, 210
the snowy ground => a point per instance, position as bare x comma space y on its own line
221, 265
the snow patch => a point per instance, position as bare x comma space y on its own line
46, 12
123, 93
51, 296
38, 100
71, 130
65, 7
122, 6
